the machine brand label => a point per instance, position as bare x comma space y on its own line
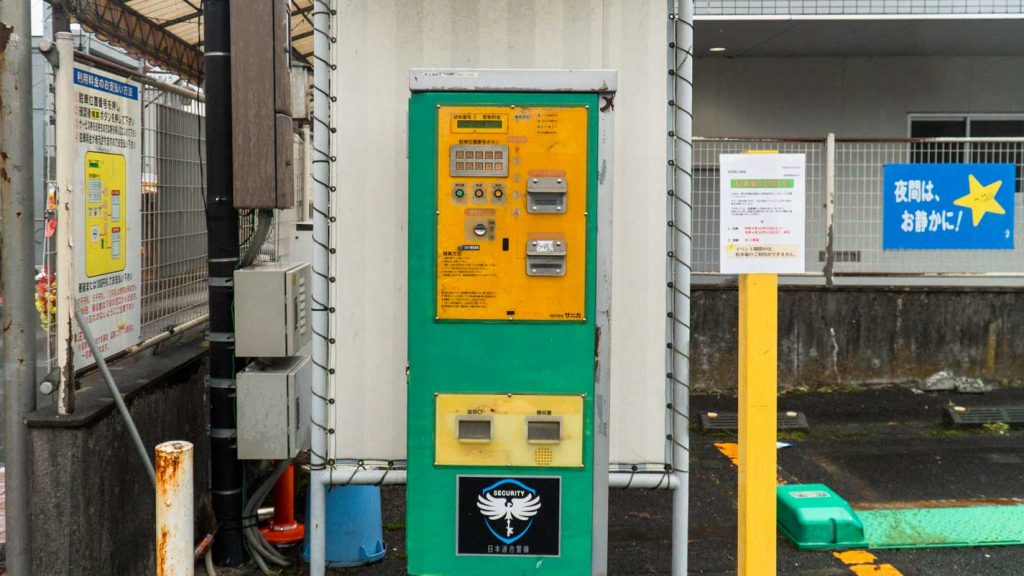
506, 516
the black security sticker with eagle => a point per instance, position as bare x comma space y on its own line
509, 516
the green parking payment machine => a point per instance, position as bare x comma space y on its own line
510, 177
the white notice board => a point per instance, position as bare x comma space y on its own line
761, 228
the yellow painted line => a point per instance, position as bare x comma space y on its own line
731, 450
853, 557
864, 563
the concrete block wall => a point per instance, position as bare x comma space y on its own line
852, 337
92, 502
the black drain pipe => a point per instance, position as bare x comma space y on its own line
223, 252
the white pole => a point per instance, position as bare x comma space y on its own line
174, 509
321, 163
681, 128
65, 273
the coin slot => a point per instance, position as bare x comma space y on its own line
546, 194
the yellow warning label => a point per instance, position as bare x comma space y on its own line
105, 213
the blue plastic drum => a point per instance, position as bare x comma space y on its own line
354, 531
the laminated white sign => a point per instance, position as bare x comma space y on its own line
761, 227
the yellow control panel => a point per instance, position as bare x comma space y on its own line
105, 213
511, 222
532, 430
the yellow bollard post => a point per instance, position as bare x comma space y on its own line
758, 411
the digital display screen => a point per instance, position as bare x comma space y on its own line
478, 123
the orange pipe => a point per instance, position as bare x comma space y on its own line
284, 498
283, 529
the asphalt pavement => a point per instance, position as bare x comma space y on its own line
874, 447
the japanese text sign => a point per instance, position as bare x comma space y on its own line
761, 228
948, 206
107, 190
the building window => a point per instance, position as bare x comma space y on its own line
969, 126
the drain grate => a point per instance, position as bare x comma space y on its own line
712, 420
979, 415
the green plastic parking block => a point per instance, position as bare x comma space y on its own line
815, 518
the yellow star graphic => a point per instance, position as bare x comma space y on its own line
981, 199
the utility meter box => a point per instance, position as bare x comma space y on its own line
272, 309
509, 294
274, 400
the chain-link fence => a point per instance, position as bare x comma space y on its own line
174, 287
846, 176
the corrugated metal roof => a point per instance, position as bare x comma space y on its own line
182, 19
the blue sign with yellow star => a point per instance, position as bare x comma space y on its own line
948, 206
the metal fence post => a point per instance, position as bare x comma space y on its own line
20, 320
830, 207
174, 509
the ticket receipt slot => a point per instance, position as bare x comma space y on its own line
509, 292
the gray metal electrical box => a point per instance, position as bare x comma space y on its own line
273, 407
272, 309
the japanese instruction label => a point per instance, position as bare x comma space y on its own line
107, 228
948, 206
761, 226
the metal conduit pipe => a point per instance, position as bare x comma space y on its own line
621, 480
167, 334
222, 260
680, 133
261, 550
264, 218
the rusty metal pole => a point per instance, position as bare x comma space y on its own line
19, 314
175, 555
